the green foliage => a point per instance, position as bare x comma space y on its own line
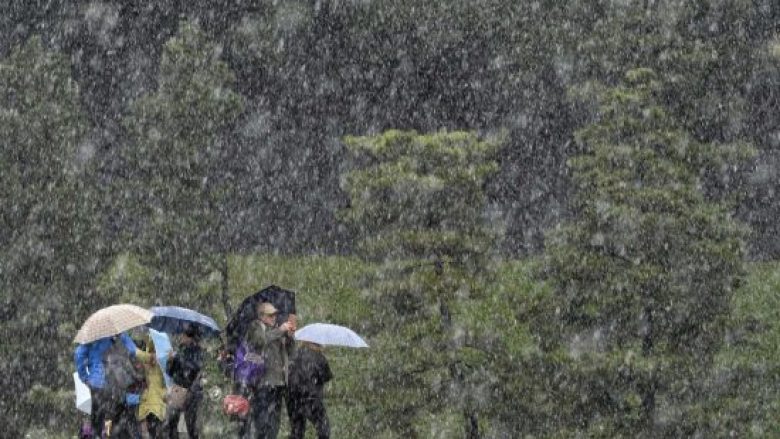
741, 395
643, 275
418, 204
126, 280
48, 238
173, 149
414, 196
650, 233
704, 47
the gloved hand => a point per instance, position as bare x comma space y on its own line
133, 399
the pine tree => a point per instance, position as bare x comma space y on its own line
643, 273
49, 240
417, 202
174, 142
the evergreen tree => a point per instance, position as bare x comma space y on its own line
170, 184
49, 240
642, 276
419, 205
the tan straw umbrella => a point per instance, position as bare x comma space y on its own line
111, 321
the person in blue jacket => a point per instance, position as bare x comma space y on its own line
90, 366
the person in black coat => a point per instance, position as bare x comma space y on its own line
184, 367
309, 371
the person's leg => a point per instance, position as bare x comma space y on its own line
268, 411
191, 415
245, 425
319, 417
154, 426
127, 422
119, 426
134, 426
297, 418
275, 412
98, 412
260, 412
171, 426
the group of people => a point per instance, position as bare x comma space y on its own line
130, 399
293, 373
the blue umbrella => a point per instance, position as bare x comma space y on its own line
174, 319
162, 345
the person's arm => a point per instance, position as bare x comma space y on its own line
325, 374
289, 344
142, 356
255, 337
274, 334
173, 364
81, 358
258, 335
129, 344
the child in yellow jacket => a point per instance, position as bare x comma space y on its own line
151, 411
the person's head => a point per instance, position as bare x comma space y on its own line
266, 312
190, 335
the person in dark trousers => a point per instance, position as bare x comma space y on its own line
273, 344
91, 367
184, 367
309, 371
125, 424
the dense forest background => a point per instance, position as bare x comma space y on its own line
313, 71
106, 105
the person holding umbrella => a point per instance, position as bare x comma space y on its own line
103, 359
272, 345
184, 366
91, 365
309, 371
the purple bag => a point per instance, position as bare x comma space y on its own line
86, 432
249, 367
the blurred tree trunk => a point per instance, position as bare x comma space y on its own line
225, 284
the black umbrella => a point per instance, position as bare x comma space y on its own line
281, 299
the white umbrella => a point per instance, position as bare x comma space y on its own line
83, 397
111, 321
332, 335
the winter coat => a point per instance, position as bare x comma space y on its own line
152, 399
309, 371
275, 346
184, 367
89, 359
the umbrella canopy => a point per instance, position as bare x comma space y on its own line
281, 299
111, 321
162, 346
331, 335
83, 396
173, 320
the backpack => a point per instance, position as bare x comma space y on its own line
121, 372
249, 365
